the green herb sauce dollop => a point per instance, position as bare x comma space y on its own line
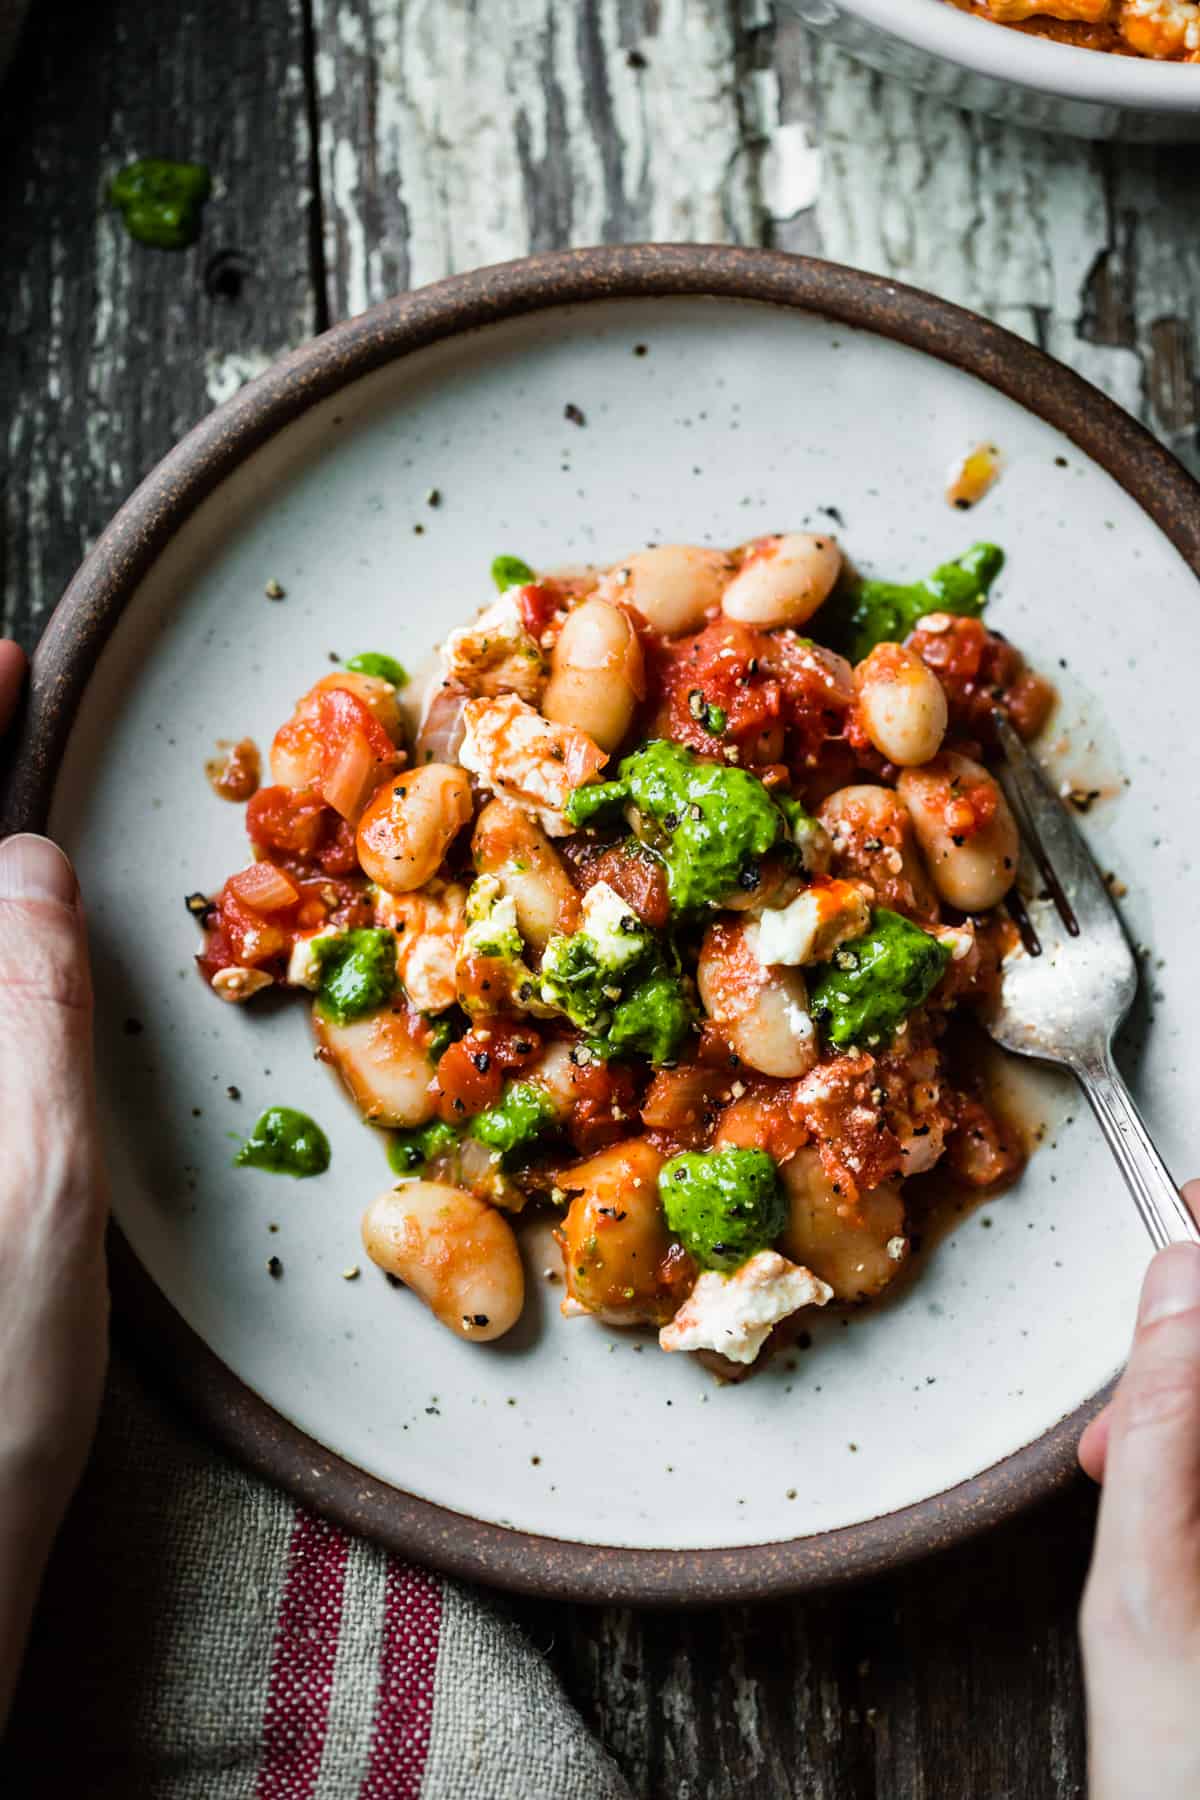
869, 988
161, 202
358, 973
409, 1151
517, 1120
723, 1205
860, 614
710, 824
510, 571
374, 662
285, 1142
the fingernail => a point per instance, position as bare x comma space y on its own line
1172, 1284
32, 868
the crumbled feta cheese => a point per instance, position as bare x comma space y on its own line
495, 654
237, 984
799, 1021
527, 759
492, 932
814, 844
428, 924
734, 1313
897, 1248
492, 928
304, 964
613, 926
813, 925
958, 939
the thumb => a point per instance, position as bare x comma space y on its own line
45, 989
1147, 1558
1093, 1445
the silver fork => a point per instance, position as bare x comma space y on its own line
1065, 992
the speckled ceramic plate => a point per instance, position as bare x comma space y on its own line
725, 393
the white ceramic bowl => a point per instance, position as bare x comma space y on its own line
569, 1458
1013, 75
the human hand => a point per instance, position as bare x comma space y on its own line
1141, 1609
53, 1203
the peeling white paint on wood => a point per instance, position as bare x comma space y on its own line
454, 135
791, 173
1010, 223
226, 372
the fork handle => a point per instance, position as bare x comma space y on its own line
1155, 1195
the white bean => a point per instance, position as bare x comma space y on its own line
615, 1243
408, 826
673, 586
902, 705
386, 1071
510, 845
872, 834
596, 673
971, 868
455, 1252
783, 579
856, 1248
763, 1012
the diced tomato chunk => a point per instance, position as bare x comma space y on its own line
289, 819
218, 952
636, 875
296, 829
537, 605
263, 888
605, 1107
980, 670
773, 696
356, 752
337, 855
252, 937
471, 1072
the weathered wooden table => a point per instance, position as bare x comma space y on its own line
367, 146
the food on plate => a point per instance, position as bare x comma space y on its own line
973, 476
286, 1142
1168, 30
654, 920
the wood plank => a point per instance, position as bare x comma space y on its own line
957, 1677
461, 132
454, 134
1091, 250
110, 350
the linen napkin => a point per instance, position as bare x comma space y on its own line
202, 1637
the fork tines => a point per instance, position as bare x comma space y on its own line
1040, 814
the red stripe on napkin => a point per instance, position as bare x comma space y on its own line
412, 1618
301, 1680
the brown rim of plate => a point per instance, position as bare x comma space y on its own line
68, 651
